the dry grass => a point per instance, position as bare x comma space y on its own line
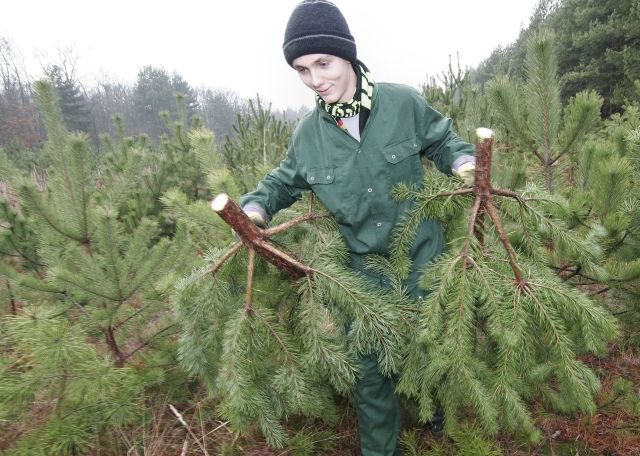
614, 430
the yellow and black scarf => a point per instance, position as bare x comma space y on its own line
359, 104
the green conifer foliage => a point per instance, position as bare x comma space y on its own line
17, 239
144, 173
532, 113
606, 205
72, 101
269, 347
55, 368
455, 96
498, 327
597, 174
464, 442
155, 92
484, 340
206, 230
92, 289
260, 143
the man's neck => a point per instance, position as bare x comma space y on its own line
353, 85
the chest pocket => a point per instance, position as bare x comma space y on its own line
403, 161
331, 189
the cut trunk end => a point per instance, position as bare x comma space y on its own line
483, 161
256, 239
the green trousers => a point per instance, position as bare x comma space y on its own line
375, 398
378, 411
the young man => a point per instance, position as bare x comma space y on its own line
360, 140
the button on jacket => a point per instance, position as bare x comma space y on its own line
354, 179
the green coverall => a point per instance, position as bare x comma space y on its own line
354, 181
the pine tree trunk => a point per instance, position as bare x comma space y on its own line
256, 239
12, 301
484, 203
110, 338
264, 145
548, 168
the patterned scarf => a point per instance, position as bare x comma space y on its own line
359, 104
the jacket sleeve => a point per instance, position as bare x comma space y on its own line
440, 144
280, 188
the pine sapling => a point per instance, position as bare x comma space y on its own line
539, 126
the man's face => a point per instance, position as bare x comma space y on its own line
329, 76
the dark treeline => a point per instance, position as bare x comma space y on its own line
597, 45
146, 107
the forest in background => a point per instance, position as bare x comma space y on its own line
92, 108
116, 340
598, 47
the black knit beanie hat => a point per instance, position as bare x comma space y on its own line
318, 27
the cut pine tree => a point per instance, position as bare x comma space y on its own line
498, 327
271, 342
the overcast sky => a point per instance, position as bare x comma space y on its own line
236, 44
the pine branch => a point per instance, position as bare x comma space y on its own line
110, 339
504, 96
27, 281
221, 262
317, 336
251, 267
108, 239
580, 115
427, 205
146, 342
522, 283
73, 279
310, 216
600, 291
543, 95
124, 321
155, 262
470, 230
31, 197
21, 252
198, 212
373, 313
275, 335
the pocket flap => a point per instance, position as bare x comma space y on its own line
320, 176
398, 152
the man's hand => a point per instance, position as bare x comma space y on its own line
466, 172
256, 214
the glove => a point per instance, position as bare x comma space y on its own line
466, 172
256, 214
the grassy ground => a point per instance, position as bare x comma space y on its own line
613, 430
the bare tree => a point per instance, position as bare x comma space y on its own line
111, 99
219, 109
20, 126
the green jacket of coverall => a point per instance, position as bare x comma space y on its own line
354, 179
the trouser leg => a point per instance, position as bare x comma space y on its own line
378, 411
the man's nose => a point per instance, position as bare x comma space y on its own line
316, 80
